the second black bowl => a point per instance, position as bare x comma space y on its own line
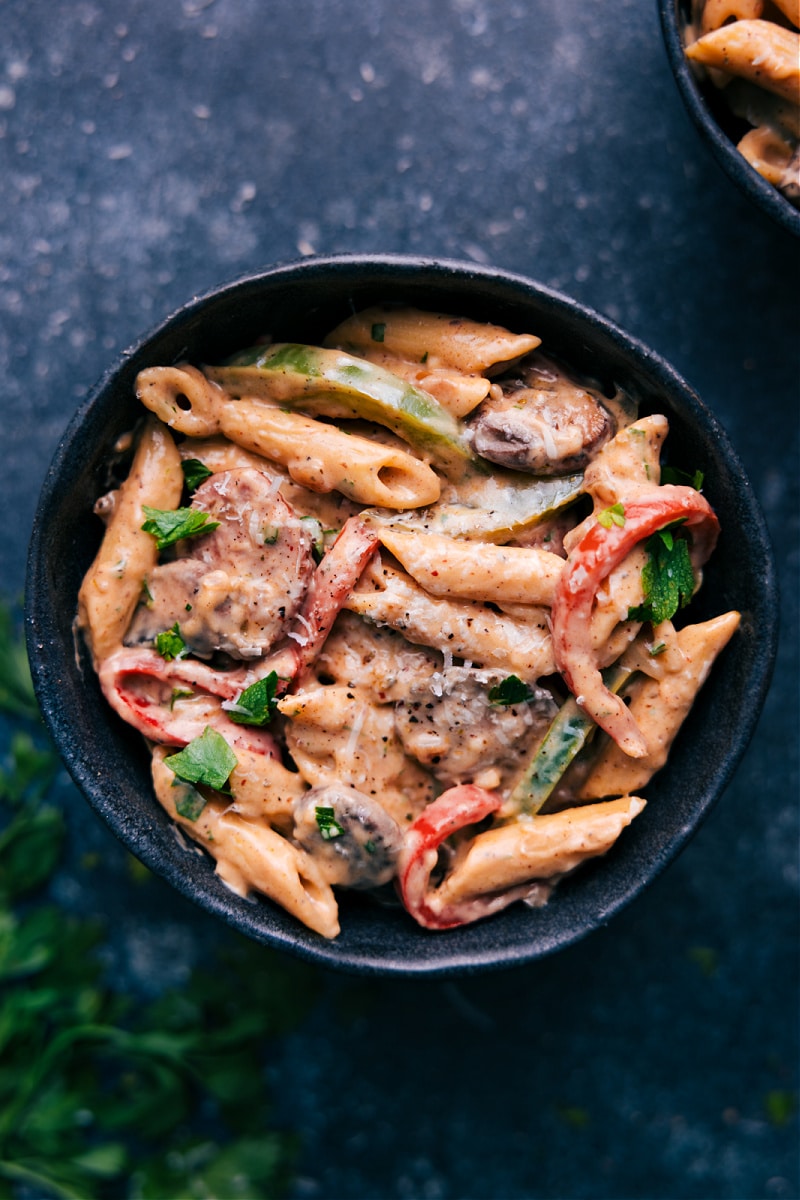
718, 126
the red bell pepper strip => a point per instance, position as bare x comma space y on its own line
464, 804
140, 685
598, 552
331, 584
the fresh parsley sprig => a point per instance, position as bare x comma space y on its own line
103, 1094
667, 577
195, 472
510, 690
169, 526
208, 760
170, 644
256, 705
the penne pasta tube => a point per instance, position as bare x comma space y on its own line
112, 587
460, 627
768, 153
316, 455
659, 707
760, 51
252, 856
434, 339
537, 848
474, 571
719, 12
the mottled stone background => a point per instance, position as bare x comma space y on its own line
152, 149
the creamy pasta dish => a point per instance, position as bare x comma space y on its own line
402, 613
750, 50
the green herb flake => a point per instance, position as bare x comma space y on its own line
179, 694
615, 515
378, 332
208, 759
194, 473
147, 595
327, 824
667, 578
170, 644
271, 534
189, 803
674, 475
510, 690
172, 525
657, 649
256, 704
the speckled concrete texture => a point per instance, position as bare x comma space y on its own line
153, 149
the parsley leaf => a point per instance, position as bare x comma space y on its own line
256, 704
170, 526
675, 475
615, 515
170, 644
194, 473
510, 690
208, 759
189, 802
667, 578
327, 824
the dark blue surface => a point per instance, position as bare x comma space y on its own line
153, 150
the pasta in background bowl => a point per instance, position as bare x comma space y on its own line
751, 125
303, 303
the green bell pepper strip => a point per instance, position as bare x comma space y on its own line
569, 732
334, 384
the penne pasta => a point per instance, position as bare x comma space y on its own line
537, 848
362, 651
457, 627
660, 707
251, 856
473, 571
112, 587
765, 53
318, 456
434, 339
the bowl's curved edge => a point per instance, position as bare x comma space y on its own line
722, 147
242, 915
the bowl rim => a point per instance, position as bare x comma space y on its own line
240, 915
723, 148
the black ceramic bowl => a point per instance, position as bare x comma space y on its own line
719, 127
302, 301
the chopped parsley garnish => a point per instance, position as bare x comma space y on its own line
667, 578
147, 595
208, 759
170, 644
378, 331
675, 475
256, 704
271, 534
319, 535
179, 694
172, 525
194, 473
510, 690
615, 515
327, 824
189, 803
